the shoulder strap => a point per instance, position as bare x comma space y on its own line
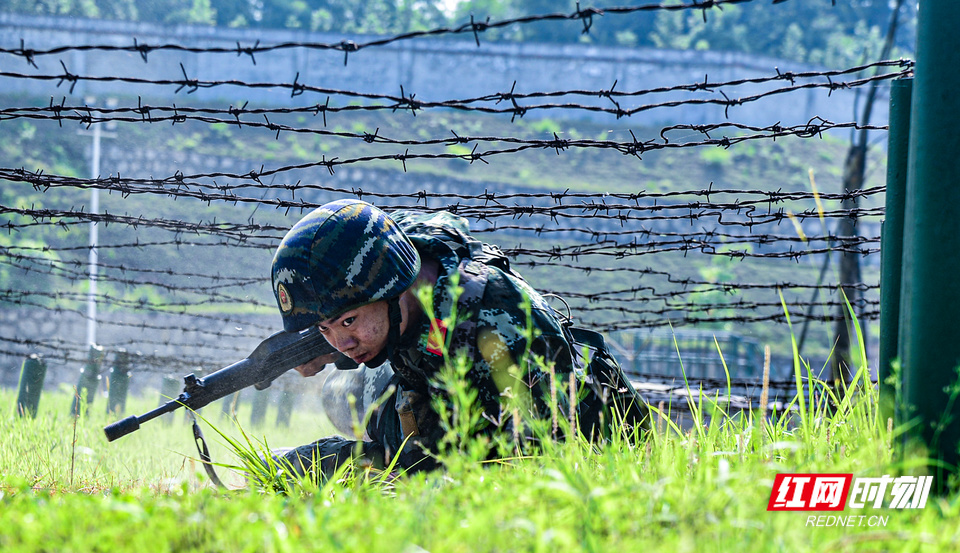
474, 276
588, 338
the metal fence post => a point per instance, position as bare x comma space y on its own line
169, 389
891, 242
119, 382
32, 374
285, 405
258, 411
929, 334
89, 380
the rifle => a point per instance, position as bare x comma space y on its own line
273, 357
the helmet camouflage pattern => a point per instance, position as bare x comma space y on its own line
342, 255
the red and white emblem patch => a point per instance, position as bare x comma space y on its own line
286, 304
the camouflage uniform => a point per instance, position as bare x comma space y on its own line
496, 310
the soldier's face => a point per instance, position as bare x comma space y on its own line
361, 333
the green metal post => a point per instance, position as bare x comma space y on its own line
930, 302
32, 374
258, 411
891, 242
285, 404
89, 380
637, 345
731, 352
119, 382
169, 389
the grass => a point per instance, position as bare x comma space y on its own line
59, 453
700, 487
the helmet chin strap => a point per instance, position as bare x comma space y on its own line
393, 333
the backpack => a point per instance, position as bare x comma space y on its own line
607, 395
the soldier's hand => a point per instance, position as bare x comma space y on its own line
317, 364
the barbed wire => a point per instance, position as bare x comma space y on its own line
751, 214
191, 186
62, 351
692, 297
57, 268
182, 307
84, 113
75, 353
692, 308
79, 268
697, 242
145, 114
703, 238
585, 16
651, 319
26, 299
210, 294
182, 183
652, 237
140, 244
661, 319
683, 281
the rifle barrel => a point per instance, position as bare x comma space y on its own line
273, 357
133, 422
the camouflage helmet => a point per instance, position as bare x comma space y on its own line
342, 255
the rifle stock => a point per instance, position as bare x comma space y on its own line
273, 357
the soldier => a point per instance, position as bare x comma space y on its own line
383, 288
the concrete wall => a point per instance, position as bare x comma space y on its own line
433, 69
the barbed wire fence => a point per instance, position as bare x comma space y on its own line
634, 260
